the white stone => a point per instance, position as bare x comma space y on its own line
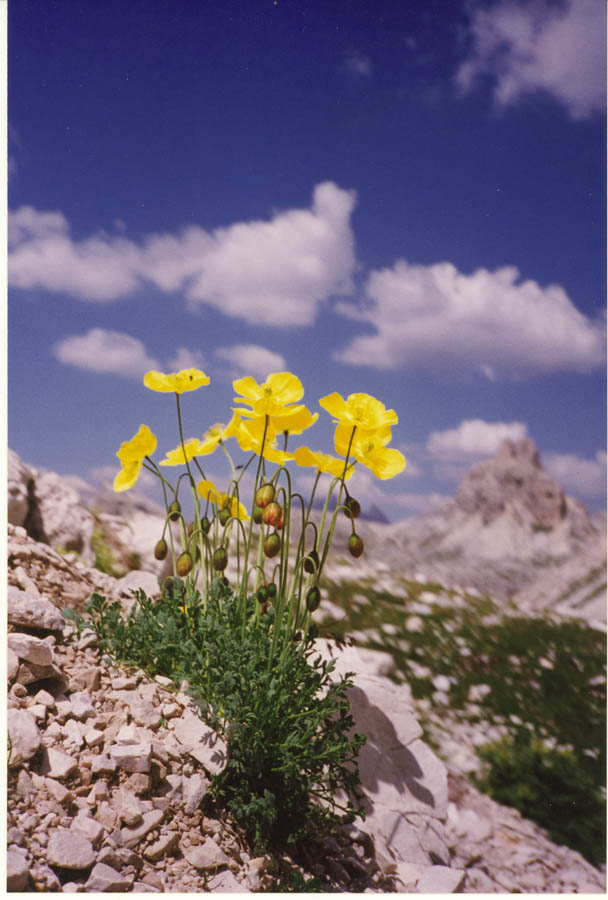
17, 870
132, 757
33, 612
201, 742
441, 880
82, 705
12, 664
86, 827
31, 649
24, 734
194, 789
69, 850
105, 879
205, 856
56, 764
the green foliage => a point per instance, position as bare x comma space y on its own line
545, 685
104, 558
547, 785
287, 725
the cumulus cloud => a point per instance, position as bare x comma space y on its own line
558, 48
251, 359
101, 350
274, 272
577, 473
490, 323
473, 438
186, 359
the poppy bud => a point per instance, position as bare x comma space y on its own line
311, 562
313, 598
353, 508
205, 524
184, 564
355, 545
261, 595
257, 515
265, 495
220, 559
273, 514
271, 590
224, 515
175, 511
160, 550
272, 545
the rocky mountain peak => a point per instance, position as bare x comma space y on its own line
514, 479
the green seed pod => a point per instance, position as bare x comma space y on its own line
161, 549
355, 545
272, 545
273, 515
313, 598
311, 562
184, 563
265, 495
261, 595
353, 508
271, 590
205, 524
220, 559
257, 515
224, 515
175, 511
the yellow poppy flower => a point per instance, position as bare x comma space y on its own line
208, 491
249, 434
212, 438
272, 396
131, 455
325, 463
359, 410
176, 457
175, 382
369, 448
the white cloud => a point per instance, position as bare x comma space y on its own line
273, 272
558, 48
577, 473
473, 438
186, 359
492, 323
251, 359
100, 350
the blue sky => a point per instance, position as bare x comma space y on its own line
404, 199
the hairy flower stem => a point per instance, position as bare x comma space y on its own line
243, 592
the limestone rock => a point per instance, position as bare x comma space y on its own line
104, 879
201, 741
17, 870
205, 856
70, 851
24, 735
441, 880
33, 612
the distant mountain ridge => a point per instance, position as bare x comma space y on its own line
510, 531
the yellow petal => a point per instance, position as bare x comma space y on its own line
296, 422
208, 491
175, 382
176, 457
139, 446
384, 462
127, 476
323, 462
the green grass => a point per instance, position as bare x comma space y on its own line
545, 686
